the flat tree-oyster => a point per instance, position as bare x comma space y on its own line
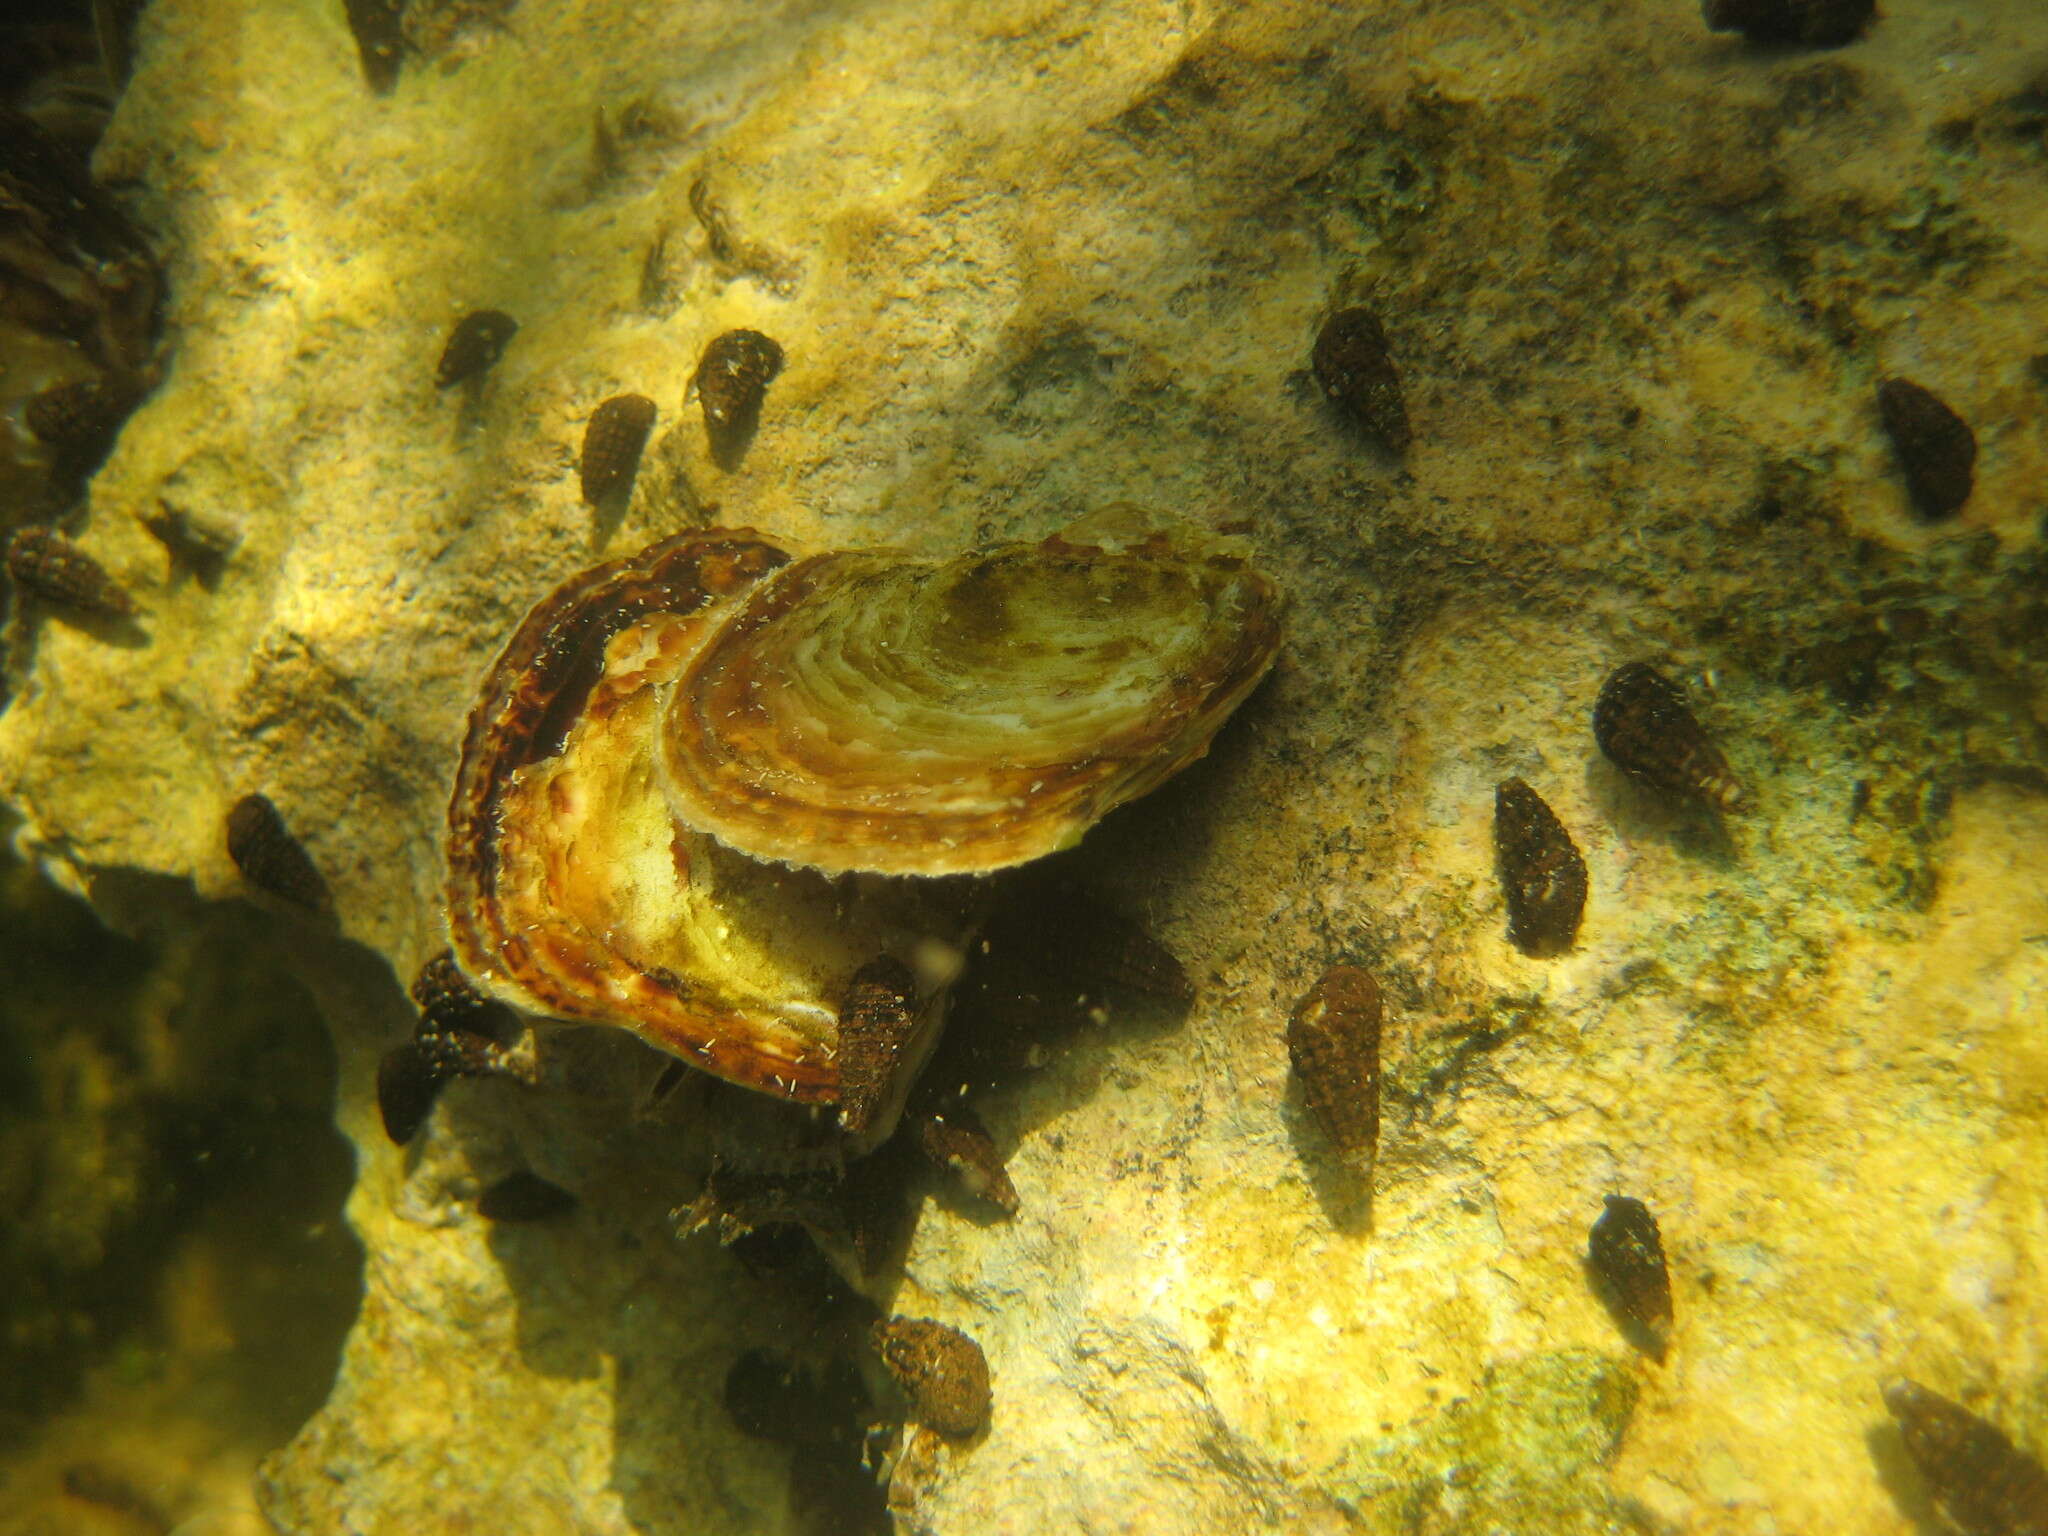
862, 710
675, 748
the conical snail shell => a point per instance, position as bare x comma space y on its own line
852, 712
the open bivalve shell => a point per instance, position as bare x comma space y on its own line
674, 749
864, 710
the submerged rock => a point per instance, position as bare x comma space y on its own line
1017, 276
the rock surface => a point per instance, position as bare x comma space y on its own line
175, 1279
1026, 258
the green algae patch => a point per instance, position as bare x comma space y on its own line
1525, 1455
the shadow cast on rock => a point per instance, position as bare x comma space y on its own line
1169, 836
1344, 1196
730, 439
607, 516
1639, 814
1901, 1479
233, 1099
1059, 973
610, 1300
613, 1300
122, 631
1641, 1337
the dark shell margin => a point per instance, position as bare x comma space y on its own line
531, 699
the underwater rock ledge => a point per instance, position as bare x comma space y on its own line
1640, 282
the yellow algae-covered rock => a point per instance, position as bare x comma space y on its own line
1640, 284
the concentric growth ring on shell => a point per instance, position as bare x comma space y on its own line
676, 753
867, 711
